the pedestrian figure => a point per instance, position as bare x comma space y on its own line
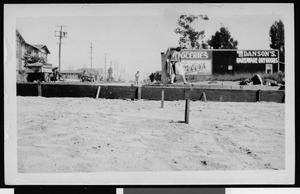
137, 75
176, 68
151, 77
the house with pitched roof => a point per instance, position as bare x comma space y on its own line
24, 48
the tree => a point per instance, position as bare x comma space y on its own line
189, 36
277, 38
222, 40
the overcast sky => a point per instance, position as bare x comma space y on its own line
134, 35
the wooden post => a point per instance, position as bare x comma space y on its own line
162, 98
187, 93
98, 92
139, 92
187, 111
39, 88
204, 97
258, 96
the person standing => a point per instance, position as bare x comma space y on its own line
176, 68
137, 75
151, 77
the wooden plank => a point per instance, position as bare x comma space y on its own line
98, 92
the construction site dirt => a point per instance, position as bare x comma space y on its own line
108, 135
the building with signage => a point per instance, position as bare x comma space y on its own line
206, 62
22, 48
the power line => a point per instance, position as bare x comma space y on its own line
60, 34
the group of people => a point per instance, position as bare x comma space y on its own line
176, 67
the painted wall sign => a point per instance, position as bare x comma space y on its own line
257, 56
196, 62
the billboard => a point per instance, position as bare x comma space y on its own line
196, 62
257, 56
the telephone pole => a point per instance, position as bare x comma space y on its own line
115, 66
91, 57
117, 70
105, 68
60, 34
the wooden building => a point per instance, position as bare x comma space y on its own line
201, 63
22, 48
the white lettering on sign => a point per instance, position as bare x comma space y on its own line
257, 56
197, 67
256, 53
246, 60
256, 60
194, 55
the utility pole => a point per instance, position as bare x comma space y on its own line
115, 66
60, 34
118, 69
91, 57
111, 68
105, 68
125, 75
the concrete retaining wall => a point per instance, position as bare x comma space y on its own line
176, 93
154, 93
118, 92
224, 95
272, 96
148, 93
64, 90
27, 89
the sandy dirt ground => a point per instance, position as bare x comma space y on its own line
96, 135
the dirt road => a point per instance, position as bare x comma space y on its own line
95, 135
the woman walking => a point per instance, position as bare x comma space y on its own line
176, 68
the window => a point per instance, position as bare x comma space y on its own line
269, 68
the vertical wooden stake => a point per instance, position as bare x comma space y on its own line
98, 92
162, 98
187, 111
258, 96
204, 97
139, 93
39, 89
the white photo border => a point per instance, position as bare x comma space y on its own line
12, 177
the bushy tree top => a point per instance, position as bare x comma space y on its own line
189, 36
222, 40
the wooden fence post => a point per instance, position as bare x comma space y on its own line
39, 88
187, 111
139, 94
258, 96
162, 98
204, 97
98, 92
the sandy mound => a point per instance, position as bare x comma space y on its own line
93, 135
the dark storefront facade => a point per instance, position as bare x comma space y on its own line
203, 63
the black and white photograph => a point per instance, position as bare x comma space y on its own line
149, 94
